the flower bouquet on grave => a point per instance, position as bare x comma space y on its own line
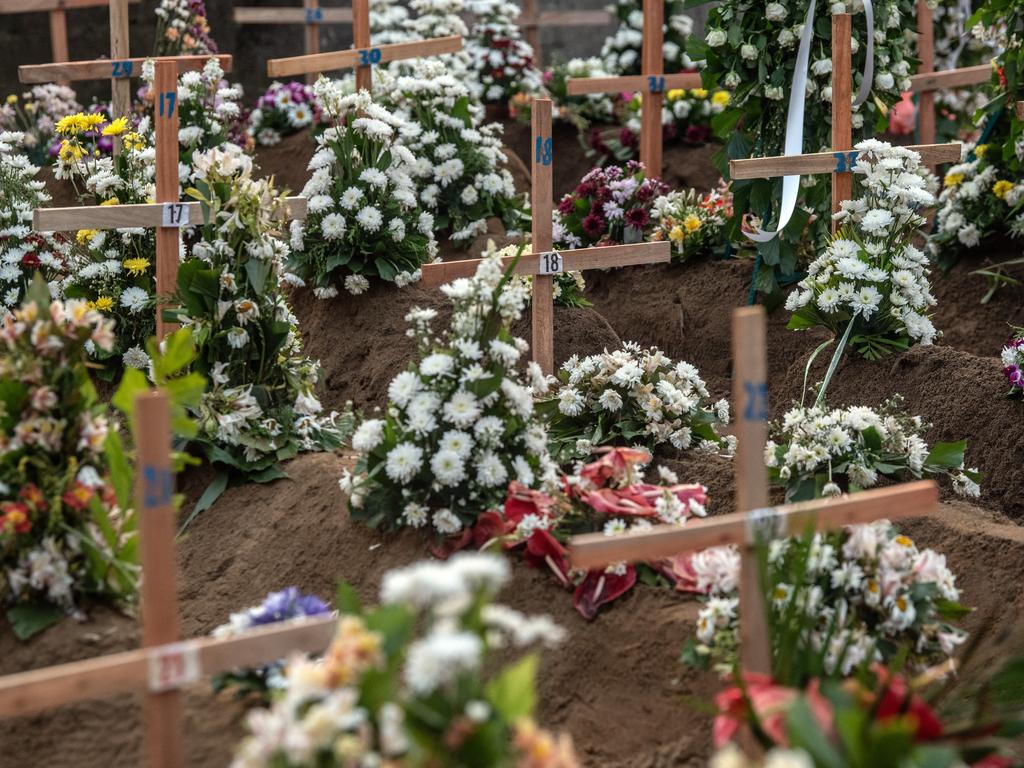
581, 111
621, 50
502, 60
610, 206
1013, 362
609, 495
416, 681
693, 223
182, 29
283, 109
35, 114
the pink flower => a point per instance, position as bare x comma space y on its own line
903, 116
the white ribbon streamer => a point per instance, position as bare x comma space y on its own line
869, 57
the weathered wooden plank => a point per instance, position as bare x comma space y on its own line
326, 62
126, 216
98, 69
827, 162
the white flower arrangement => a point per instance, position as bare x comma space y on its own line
871, 275
633, 396
818, 451
364, 216
460, 424
621, 50
583, 110
35, 114
857, 596
182, 29
442, 18
500, 58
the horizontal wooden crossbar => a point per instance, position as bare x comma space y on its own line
908, 500
40, 689
578, 260
829, 162
950, 78
33, 6
566, 19
127, 216
577, 86
100, 69
326, 62
293, 15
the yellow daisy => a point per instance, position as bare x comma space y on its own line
103, 304
952, 179
692, 222
116, 127
111, 201
85, 235
676, 234
721, 98
70, 152
70, 124
1001, 188
136, 266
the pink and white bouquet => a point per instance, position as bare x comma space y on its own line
1013, 362
501, 58
283, 109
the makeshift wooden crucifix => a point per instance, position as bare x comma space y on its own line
542, 262
652, 83
311, 15
842, 159
167, 215
164, 665
532, 20
362, 55
755, 521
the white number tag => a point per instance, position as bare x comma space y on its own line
175, 215
174, 666
551, 263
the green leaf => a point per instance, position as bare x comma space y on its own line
258, 270
950, 610
949, 455
347, 601
210, 495
133, 383
120, 469
804, 732
268, 475
513, 693
31, 619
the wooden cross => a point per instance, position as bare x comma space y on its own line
311, 15
842, 159
167, 215
57, 10
653, 83
532, 20
163, 666
542, 262
755, 520
362, 56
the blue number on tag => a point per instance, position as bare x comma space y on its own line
845, 161
656, 83
314, 15
122, 68
756, 408
157, 487
543, 150
167, 102
368, 56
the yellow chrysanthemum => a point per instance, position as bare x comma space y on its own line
675, 94
1001, 188
85, 235
133, 141
692, 222
676, 234
699, 93
111, 201
12, 99
980, 150
70, 124
70, 152
93, 121
721, 98
103, 304
136, 266
952, 179
116, 127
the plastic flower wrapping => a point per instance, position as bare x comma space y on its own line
283, 109
837, 602
416, 681
460, 423
610, 206
1013, 362
115, 270
22, 251
692, 222
632, 396
622, 49
364, 219
182, 29
608, 495
460, 160
871, 279
816, 452
261, 407
500, 58
35, 114
64, 526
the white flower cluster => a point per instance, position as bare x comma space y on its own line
500, 58
863, 594
45, 571
956, 46
460, 424
442, 18
590, 107
815, 447
871, 271
21, 251
35, 114
621, 50
635, 395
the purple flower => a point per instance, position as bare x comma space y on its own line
593, 225
637, 218
287, 604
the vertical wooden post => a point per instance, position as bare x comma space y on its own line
530, 16
750, 396
312, 33
361, 40
121, 88
926, 53
653, 62
163, 713
543, 153
59, 37
842, 109
165, 87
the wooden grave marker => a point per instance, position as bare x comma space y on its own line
167, 215
543, 262
842, 159
755, 520
164, 665
652, 83
311, 15
362, 56
532, 20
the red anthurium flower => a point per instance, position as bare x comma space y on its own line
522, 501
545, 551
490, 526
447, 547
898, 701
770, 702
683, 573
600, 587
613, 464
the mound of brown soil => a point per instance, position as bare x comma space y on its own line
287, 161
961, 394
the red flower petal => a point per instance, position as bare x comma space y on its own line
599, 588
